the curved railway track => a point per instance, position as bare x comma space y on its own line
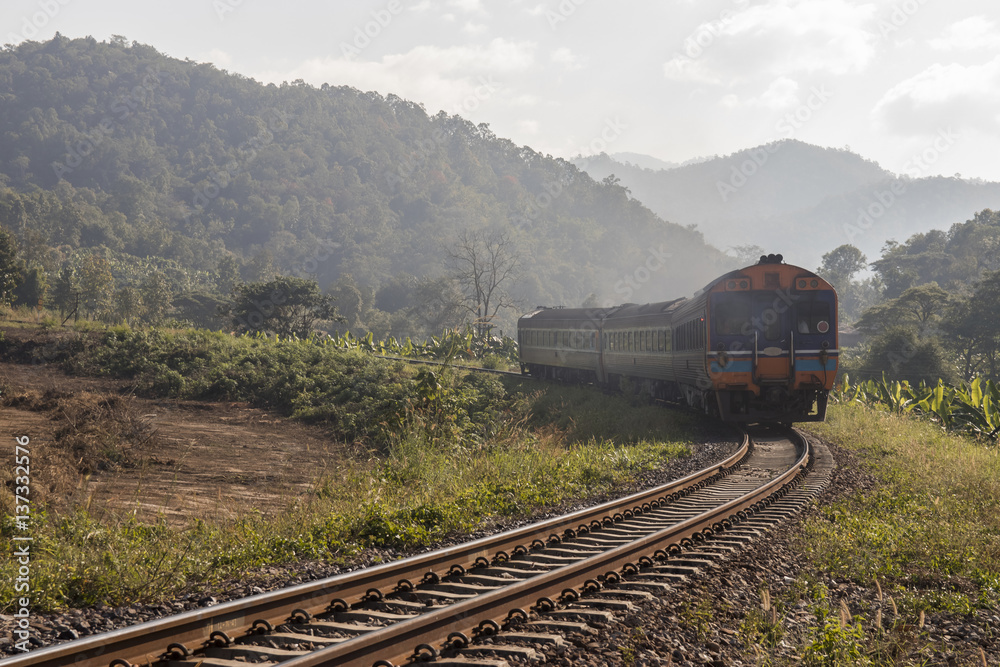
527, 584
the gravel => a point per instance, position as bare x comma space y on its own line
702, 622
49, 629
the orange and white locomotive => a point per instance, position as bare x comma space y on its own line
757, 344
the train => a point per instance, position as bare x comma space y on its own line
758, 344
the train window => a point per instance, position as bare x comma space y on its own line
812, 317
631, 342
731, 314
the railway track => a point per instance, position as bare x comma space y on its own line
519, 588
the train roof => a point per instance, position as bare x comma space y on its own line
736, 273
545, 316
639, 310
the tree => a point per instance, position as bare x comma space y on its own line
10, 267
97, 285
128, 305
748, 254
973, 325
347, 296
900, 355
485, 267
156, 296
286, 306
918, 309
65, 292
438, 305
33, 288
840, 264
227, 274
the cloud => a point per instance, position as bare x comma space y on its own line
565, 57
440, 77
217, 57
778, 38
943, 96
468, 6
528, 126
970, 34
782, 93
471, 28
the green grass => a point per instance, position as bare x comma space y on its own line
447, 452
922, 538
931, 525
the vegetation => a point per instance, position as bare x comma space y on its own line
917, 539
150, 163
447, 452
972, 408
785, 187
931, 310
285, 306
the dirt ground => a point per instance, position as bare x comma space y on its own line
196, 459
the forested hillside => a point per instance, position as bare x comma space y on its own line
205, 178
798, 199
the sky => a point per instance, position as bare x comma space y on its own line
911, 84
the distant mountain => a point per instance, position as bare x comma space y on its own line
643, 161
800, 200
115, 148
649, 162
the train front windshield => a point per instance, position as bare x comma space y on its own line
775, 317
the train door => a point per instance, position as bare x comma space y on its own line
771, 320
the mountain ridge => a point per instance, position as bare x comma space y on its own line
802, 199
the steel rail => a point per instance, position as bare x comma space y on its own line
147, 642
396, 643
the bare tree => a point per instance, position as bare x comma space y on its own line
485, 266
